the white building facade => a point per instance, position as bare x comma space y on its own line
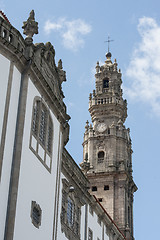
43, 193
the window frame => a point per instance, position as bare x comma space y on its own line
71, 228
106, 83
90, 237
70, 211
42, 129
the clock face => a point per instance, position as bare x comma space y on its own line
101, 127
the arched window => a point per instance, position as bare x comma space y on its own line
49, 135
42, 133
100, 156
106, 83
71, 211
86, 157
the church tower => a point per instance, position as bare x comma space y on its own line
107, 150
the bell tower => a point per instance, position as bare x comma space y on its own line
107, 150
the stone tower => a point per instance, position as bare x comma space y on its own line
107, 151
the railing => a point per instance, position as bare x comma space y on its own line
8, 34
108, 100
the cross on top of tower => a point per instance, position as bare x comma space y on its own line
108, 41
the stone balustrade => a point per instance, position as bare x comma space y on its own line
11, 37
107, 100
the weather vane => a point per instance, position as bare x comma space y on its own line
108, 41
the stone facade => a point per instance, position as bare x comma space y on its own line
107, 151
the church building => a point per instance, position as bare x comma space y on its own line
44, 194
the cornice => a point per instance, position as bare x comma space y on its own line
44, 71
74, 174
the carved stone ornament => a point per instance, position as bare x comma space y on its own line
36, 214
30, 26
62, 74
85, 166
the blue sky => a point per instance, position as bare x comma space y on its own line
78, 29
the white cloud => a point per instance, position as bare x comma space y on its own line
72, 32
49, 26
144, 68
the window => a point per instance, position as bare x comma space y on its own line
94, 189
106, 187
100, 156
36, 214
42, 133
71, 211
100, 199
90, 234
106, 83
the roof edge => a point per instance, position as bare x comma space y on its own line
4, 16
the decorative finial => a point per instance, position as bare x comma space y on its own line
97, 67
60, 64
115, 65
87, 125
30, 27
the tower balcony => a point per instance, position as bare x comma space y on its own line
105, 100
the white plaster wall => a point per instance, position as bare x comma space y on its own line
9, 143
35, 182
4, 70
94, 225
82, 230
